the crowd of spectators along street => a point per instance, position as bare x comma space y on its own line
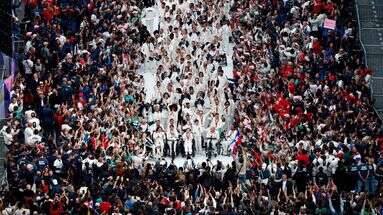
82, 134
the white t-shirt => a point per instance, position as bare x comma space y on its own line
188, 138
27, 133
35, 123
8, 138
158, 137
28, 114
12, 107
58, 163
33, 139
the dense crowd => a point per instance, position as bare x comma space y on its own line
85, 136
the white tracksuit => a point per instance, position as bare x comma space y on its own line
159, 142
197, 133
188, 142
172, 139
214, 135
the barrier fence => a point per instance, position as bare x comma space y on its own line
370, 25
3, 172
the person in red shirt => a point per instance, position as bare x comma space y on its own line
329, 7
104, 141
291, 87
317, 6
59, 119
55, 207
303, 157
48, 13
294, 121
105, 207
317, 48
287, 70
331, 77
32, 3
44, 187
28, 98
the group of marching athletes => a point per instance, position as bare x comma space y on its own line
188, 141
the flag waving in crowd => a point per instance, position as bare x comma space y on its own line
234, 144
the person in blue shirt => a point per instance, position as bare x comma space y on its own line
371, 182
41, 163
363, 174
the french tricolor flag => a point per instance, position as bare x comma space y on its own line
234, 143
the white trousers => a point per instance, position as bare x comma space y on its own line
188, 147
225, 146
159, 149
198, 142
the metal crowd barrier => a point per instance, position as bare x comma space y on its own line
370, 25
3, 172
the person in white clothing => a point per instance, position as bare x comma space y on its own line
186, 109
7, 133
34, 138
197, 133
13, 105
173, 114
58, 164
35, 122
188, 141
28, 114
189, 164
157, 114
28, 131
159, 142
212, 137
171, 139
90, 160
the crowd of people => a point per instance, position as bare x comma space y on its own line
260, 81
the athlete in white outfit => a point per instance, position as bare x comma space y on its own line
157, 114
159, 142
212, 136
188, 141
172, 136
197, 133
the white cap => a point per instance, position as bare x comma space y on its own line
54, 181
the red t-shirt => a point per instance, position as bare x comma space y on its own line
294, 121
59, 119
317, 7
329, 7
104, 141
304, 158
287, 70
177, 205
317, 48
48, 14
331, 77
45, 188
291, 88
105, 206
55, 210
32, 3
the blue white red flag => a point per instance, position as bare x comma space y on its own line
234, 143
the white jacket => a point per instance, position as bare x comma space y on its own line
158, 137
